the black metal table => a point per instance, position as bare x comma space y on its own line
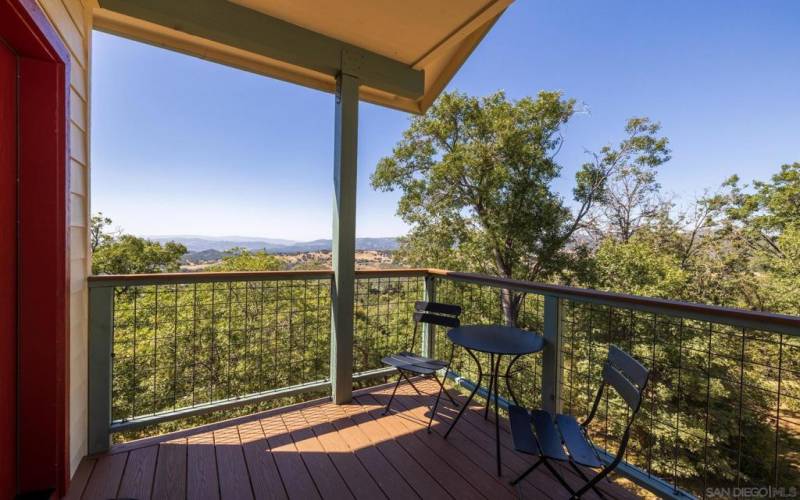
496, 341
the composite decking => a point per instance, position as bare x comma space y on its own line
321, 450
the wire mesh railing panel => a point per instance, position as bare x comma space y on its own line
178, 346
721, 406
383, 322
482, 306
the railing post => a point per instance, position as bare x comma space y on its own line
552, 362
344, 237
101, 324
428, 330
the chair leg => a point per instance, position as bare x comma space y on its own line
585, 478
491, 386
412, 383
441, 388
471, 394
560, 478
399, 379
527, 471
596, 479
435, 403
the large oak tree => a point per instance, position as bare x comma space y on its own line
476, 177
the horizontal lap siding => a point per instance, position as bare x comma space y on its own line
77, 178
72, 20
77, 109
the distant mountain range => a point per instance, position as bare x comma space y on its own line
196, 244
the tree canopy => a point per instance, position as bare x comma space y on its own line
241, 259
129, 254
476, 178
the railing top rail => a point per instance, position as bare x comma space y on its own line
743, 318
758, 320
114, 280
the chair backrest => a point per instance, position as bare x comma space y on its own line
627, 376
434, 313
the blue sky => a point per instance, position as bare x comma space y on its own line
184, 146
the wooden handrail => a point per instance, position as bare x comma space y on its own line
114, 280
757, 320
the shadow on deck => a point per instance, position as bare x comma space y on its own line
320, 450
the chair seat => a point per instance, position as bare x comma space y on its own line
521, 433
410, 362
538, 433
576, 441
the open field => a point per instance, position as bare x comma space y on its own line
365, 259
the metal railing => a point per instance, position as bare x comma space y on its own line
169, 346
722, 409
723, 405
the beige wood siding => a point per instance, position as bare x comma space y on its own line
72, 20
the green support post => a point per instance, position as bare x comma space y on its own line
344, 238
101, 323
428, 330
552, 358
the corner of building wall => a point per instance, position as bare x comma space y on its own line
72, 19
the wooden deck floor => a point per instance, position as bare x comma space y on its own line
320, 450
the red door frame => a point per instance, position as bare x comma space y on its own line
43, 247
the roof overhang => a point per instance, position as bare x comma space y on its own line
403, 53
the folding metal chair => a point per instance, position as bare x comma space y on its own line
561, 438
408, 363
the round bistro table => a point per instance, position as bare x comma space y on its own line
496, 341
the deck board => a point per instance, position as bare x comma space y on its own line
201, 467
137, 482
443, 473
79, 480
264, 476
105, 479
481, 433
481, 480
170, 478
388, 478
358, 479
321, 450
233, 476
294, 474
420, 480
328, 480
477, 445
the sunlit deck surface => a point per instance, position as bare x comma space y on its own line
321, 450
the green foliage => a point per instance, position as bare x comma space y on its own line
723, 386
476, 176
241, 259
128, 254
629, 199
476, 180
639, 267
782, 273
181, 345
772, 207
98, 235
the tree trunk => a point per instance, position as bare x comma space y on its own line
511, 302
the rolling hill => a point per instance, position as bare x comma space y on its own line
204, 248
